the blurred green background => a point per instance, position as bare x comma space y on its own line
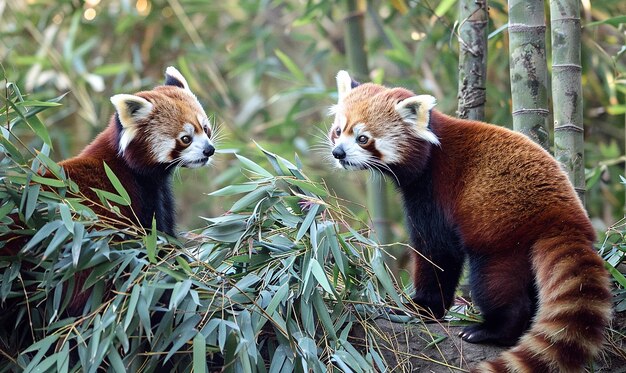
265, 71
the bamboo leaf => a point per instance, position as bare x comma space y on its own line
310, 217
291, 66
199, 353
253, 166
117, 184
443, 7
132, 305
150, 241
613, 21
307, 186
78, 232
43, 233
320, 276
66, 217
235, 189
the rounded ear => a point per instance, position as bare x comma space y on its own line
175, 78
415, 111
131, 108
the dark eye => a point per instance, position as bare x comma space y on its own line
207, 131
337, 131
186, 139
362, 139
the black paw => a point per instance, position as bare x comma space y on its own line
428, 308
482, 334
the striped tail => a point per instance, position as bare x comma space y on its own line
574, 309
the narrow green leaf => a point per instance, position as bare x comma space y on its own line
116, 361
323, 315
378, 266
66, 216
443, 7
320, 276
32, 121
48, 181
199, 353
614, 21
108, 196
117, 184
151, 242
58, 238
43, 344
77, 242
35, 103
308, 186
293, 67
235, 189
617, 275
251, 198
132, 305
31, 200
43, 233
250, 165
63, 359
310, 217
180, 291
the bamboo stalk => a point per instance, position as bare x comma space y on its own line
357, 62
528, 69
474, 20
567, 91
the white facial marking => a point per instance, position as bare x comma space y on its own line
128, 134
162, 148
356, 156
388, 150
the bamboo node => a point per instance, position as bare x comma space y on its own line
571, 127
520, 27
542, 112
567, 66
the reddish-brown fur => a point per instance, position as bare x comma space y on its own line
156, 119
493, 195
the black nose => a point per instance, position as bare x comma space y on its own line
338, 153
209, 150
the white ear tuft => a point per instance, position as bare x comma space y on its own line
344, 84
130, 108
416, 111
175, 78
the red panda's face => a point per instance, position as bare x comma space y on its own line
377, 127
166, 125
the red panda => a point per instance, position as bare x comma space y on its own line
482, 192
149, 135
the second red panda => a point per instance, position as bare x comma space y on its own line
480, 192
150, 134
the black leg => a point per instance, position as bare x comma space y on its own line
435, 283
504, 292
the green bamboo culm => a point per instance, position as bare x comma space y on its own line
357, 63
528, 69
473, 24
567, 91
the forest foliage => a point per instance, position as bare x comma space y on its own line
270, 243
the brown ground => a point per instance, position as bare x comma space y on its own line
413, 348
